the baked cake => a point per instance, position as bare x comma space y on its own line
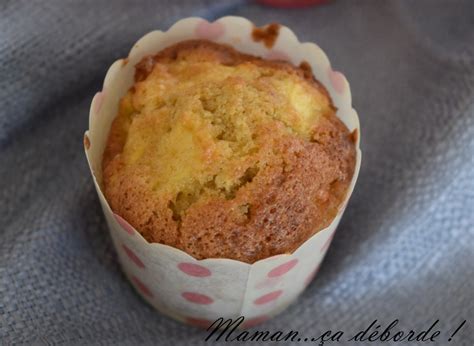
226, 155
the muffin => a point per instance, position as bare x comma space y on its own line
226, 155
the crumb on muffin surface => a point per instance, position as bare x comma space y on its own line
223, 154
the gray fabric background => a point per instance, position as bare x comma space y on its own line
404, 249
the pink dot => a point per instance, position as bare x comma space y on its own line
142, 287
337, 80
194, 269
283, 268
328, 242
98, 100
199, 322
197, 298
209, 31
277, 55
125, 225
133, 257
252, 322
266, 298
311, 275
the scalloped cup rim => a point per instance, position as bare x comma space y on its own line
134, 52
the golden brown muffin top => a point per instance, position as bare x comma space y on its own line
223, 154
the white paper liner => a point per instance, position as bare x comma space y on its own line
199, 291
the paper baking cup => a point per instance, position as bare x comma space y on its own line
200, 291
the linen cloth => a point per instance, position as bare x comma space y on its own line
405, 246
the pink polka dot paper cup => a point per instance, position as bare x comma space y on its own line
200, 291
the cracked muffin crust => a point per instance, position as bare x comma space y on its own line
226, 155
